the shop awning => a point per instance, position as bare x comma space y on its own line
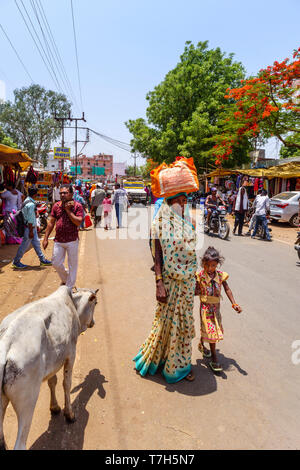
10, 155
220, 172
287, 170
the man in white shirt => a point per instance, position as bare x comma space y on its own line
262, 207
56, 193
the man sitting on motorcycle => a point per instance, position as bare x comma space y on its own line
212, 202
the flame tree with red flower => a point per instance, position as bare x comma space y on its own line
264, 106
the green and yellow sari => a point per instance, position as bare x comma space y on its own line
169, 343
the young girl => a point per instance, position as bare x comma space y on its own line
107, 208
209, 286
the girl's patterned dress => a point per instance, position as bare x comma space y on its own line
210, 295
169, 342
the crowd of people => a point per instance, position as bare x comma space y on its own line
70, 208
238, 203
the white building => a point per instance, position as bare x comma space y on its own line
119, 168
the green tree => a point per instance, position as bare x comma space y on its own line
264, 106
184, 109
288, 152
6, 140
29, 120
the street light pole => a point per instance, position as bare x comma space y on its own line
76, 141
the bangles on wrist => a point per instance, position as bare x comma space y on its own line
158, 277
235, 305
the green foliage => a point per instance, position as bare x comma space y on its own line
5, 140
184, 110
29, 120
288, 152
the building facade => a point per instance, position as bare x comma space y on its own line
97, 168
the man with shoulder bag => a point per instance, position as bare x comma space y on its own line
30, 235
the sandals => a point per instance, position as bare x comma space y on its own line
215, 366
205, 352
190, 377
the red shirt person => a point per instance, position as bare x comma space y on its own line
67, 215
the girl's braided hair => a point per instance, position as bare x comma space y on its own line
211, 254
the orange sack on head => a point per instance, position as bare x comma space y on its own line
179, 177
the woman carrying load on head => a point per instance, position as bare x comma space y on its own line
174, 250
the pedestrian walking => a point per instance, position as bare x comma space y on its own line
86, 194
30, 233
262, 208
253, 217
81, 201
12, 200
107, 209
209, 286
170, 340
120, 201
67, 215
97, 197
241, 207
56, 193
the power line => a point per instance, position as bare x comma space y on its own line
56, 51
115, 142
28, 28
76, 51
52, 57
16, 53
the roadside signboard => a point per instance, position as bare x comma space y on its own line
62, 152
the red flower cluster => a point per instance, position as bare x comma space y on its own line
271, 93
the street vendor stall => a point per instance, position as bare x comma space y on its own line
12, 162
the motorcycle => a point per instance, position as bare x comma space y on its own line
42, 215
261, 232
297, 244
218, 222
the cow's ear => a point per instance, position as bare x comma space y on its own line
92, 298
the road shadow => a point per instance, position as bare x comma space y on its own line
215, 235
7, 254
228, 365
205, 379
63, 436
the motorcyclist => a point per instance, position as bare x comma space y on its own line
212, 202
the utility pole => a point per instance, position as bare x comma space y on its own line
62, 165
135, 156
76, 141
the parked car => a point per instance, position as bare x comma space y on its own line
285, 207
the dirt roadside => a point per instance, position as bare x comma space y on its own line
281, 231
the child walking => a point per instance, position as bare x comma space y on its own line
208, 287
107, 208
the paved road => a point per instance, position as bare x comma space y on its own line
253, 404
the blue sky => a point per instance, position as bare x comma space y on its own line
126, 47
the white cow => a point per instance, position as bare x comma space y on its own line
35, 342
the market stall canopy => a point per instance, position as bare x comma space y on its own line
220, 172
286, 171
10, 155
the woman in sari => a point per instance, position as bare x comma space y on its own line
174, 250
12, 202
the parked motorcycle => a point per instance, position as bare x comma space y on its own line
217, 222
42, 214
297, 244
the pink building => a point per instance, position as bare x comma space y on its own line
99, 167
